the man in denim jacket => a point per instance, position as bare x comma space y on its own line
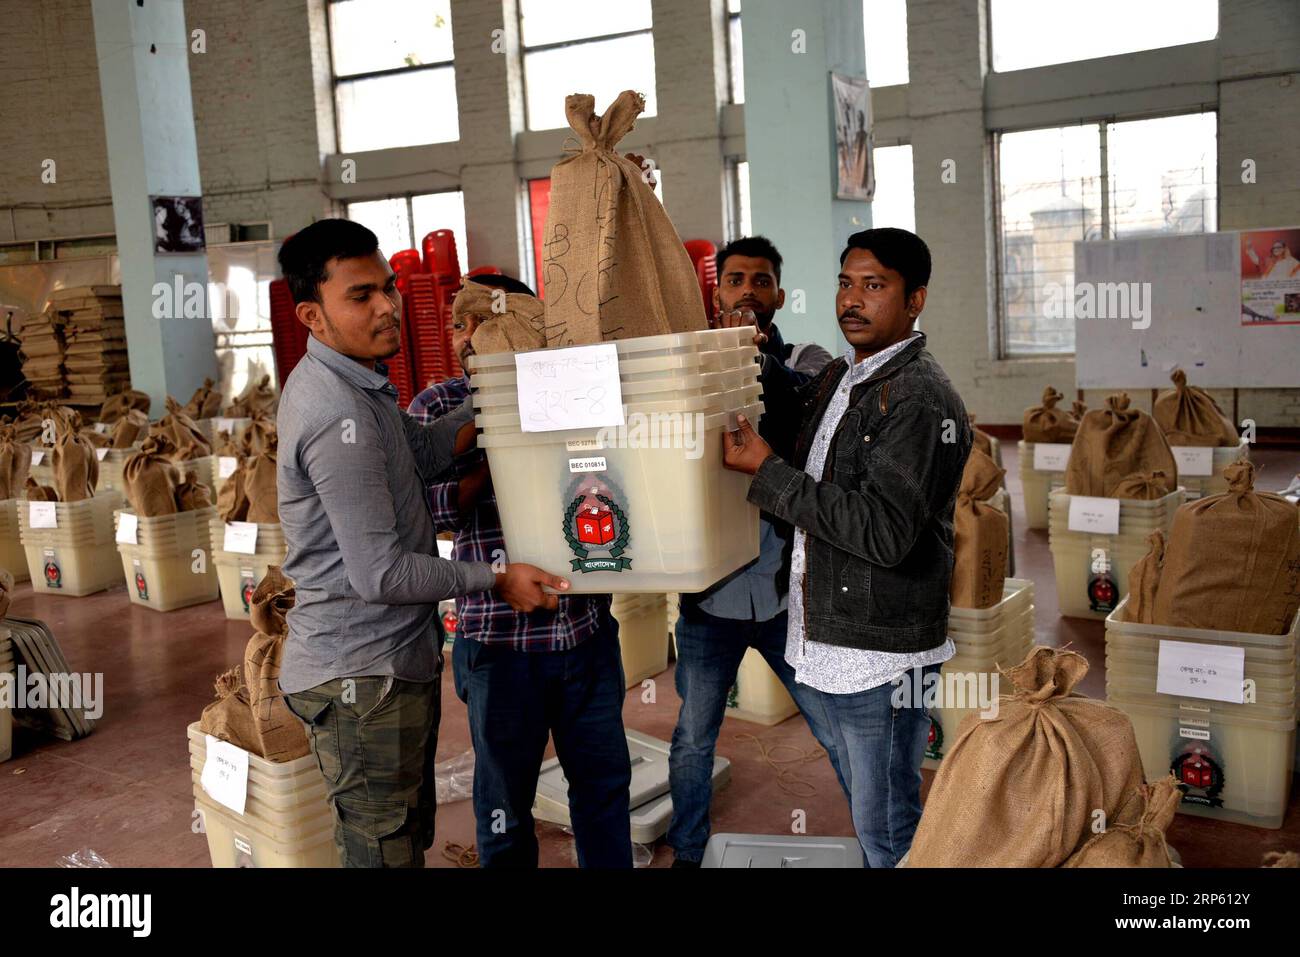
876, 444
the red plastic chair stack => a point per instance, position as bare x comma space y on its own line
703, 257
425, 323
440, 253
405, 262
288, 335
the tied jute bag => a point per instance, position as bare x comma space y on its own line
187, 439
259, 485
117, 406
613, 265
151, 478
205, 402
1047, 423
1190, 416
514, 322
979, 537
258, 397
39, 493
230, 717
280, 735
232, 497
1136, 845
1147, 486
191, 494
15, 463
129, 429
1144, 582
258, 436
1020, 789
1112, 444
1233, 561
76, 467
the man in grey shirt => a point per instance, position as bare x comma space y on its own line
363, 658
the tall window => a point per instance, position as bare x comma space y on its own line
739, 222
1029, 33
589, 46
895, 202
736, 52
1091, 181
394, 81
402, 222
884, 27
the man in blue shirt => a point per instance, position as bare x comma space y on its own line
748, 608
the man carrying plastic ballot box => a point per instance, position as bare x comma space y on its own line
525, 676
878, 451
363, 655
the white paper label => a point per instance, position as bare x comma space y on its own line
128, 529
226, 465
1097, 515
241, 537
38, 456
583, 445
444, 548
103, 428
225, 774
1192, 460
1194, 734
1051, 457
42, 515
595, 464
574, 388
102, 454
1192, 670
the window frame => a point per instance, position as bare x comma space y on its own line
728, 19
560, 45
408, 198
338, 80
1105, 225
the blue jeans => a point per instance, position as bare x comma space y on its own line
515, 699
880, 748
709, 650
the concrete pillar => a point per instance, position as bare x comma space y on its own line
790, 144
490, 94
690, 38
144, 79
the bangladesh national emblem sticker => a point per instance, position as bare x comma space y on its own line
595, 523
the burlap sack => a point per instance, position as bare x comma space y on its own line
230, 717
258, 436
1147, 486
281, 736
260, 487
1047, 423
186, 437
232, 497
15, 463
6, 591
1136, 845
192, 494
97, 440
205, 402
979, 537
76, 468
1020, 789
1078, 409
151, 478
1114, 443
612, 263
28, 425
513, 321
979, 439
226, 446
129, 429
117, 406
1231, 561
258, 397
1144, 582
39, 493
1190, 416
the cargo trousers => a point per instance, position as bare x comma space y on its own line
375, 738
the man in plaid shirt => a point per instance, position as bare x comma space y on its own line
526, 675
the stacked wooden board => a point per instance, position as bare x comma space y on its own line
94, 334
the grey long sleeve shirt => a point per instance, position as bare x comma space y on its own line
352, 470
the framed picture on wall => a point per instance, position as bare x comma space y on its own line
177, 224
855, 171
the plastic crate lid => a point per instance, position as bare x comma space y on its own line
1115, 623
769, 850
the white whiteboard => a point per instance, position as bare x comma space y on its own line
1195, 315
